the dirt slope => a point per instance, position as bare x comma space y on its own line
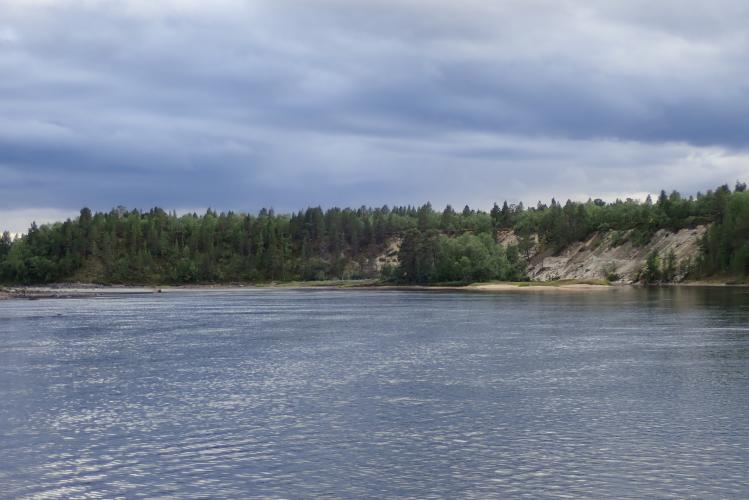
608, 253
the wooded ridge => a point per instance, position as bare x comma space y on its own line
404, 244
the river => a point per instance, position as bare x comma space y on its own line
370, 393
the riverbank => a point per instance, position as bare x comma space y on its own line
87, 290
84, 290
70, 291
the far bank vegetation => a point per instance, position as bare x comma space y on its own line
402, 244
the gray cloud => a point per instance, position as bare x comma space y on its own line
241, 105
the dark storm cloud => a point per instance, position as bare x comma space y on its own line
243, 104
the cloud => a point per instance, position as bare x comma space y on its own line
241, 105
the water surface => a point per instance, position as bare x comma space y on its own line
283, 393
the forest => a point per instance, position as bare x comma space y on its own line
447, 246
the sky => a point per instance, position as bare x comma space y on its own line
288, 104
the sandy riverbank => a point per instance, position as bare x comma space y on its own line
70, 291
571, 287
83, 290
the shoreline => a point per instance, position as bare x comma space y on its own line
90, 290
74, 291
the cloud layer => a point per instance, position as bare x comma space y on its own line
246, 104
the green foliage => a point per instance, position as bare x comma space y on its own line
130, 246
610, 272
651, 272
670, 269
726, 245
658, 270
431, 257
611, 277
641, 236
559, 225
618, 238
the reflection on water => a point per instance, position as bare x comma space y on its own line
626, 393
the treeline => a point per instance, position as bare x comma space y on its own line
132, 246
726, 246
432, 257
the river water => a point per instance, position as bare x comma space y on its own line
287, 393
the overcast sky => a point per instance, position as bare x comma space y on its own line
240, 105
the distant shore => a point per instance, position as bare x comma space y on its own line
87, 290
71, 291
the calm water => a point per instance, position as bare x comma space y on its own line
279, 393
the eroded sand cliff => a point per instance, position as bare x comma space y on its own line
611, 254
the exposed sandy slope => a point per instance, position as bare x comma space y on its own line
594, 259
573, 287
600, 256
389, 257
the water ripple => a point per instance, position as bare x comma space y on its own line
367, 394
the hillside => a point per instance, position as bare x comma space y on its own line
627, 240
612, 255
